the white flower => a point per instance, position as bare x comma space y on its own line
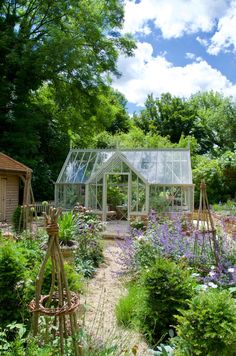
195, 275
212, 273
231, 270
212, 285
202, 287
212, 267
140, 238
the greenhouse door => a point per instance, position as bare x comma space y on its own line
116, 196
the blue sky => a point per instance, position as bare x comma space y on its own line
183, 46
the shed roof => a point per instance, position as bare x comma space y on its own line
9, 164
156, 166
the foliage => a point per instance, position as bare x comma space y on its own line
127, 305
168, 116
167, 289
227, 208
219, 175
154, 297
211, 172
175, 240
66, 224
17, 226
87, 233
25, 344
208, 327
71, 46
163, 350
136, 138
159, 202
12, 279
137, 224
202, 117
115, 195
214, 112
84, 266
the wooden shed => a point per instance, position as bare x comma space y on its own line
11, 174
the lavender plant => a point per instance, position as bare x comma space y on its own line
196, 250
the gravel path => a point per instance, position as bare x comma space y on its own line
103, 292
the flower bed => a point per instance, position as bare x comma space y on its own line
196, 258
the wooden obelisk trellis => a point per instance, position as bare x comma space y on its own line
60, 304
205, 223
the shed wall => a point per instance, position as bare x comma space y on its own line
11, 194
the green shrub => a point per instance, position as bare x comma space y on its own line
12, 280
17, 222
87, 234
75, 280
167, 289
208, 327
85, 267
137, 224
145, 254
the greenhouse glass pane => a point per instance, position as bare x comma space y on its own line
132, 156
168, 174
168, 156
185, 172
185, 155
160, 174
177, 172
89, 168
102, 157
176, 155
152, 173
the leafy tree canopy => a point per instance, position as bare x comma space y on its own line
168, 116
215, 121
207, 116
56, 58
71, 44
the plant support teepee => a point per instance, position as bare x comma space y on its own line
205, 223
60, 304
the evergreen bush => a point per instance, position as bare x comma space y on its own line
208, 327
167, 289
12, 280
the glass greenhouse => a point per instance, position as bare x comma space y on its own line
119, 184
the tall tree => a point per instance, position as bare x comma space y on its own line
168, 115
216, 120
70, 45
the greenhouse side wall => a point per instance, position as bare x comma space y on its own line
67, 195
171, 198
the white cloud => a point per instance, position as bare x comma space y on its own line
144, 74
190, 55
203, 41
225, 37
193, 57
173, 17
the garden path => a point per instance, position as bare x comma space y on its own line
103, 292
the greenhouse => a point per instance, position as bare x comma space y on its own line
121, 184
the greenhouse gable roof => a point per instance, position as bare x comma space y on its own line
154, 166
108, 166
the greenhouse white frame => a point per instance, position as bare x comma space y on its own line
143, 180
